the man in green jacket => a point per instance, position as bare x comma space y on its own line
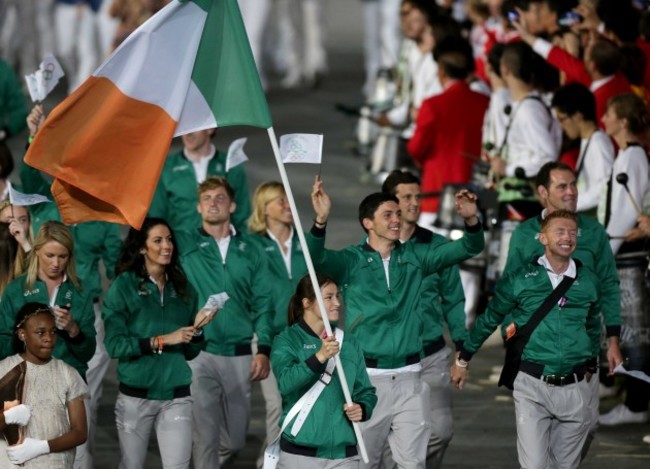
217, 258
550, 393
382, 282
175, 197
443, 301
557, 189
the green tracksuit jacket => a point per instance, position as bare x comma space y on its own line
560, 342
443, 299
388, 321
593, 251
283, 284
13, 107
93, 241
77, 351
133, 312
244, 277
296, 368
176, 196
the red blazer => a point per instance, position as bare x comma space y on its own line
614, 87
575, 71
447, 138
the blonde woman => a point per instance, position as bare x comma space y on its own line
51, 278
271, 226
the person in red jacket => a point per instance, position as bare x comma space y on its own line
599, 69
447, 136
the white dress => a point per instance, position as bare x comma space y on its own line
48, 389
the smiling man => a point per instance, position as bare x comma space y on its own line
382, 281
557, 189
550, 392
442, 302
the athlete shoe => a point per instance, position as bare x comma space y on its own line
621, 414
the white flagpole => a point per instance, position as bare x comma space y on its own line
314, 281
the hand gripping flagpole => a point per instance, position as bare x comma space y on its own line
314, 281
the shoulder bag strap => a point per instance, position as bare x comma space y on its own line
550, 301
312, 395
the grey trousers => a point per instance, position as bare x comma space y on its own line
221, 389
402, 417
97, 367
294, 461
172, 421
594, 402
552, 422
435, 372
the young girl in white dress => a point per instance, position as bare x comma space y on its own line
52, 410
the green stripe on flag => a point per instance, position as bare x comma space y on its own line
224, 70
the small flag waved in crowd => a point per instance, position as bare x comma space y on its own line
43, 80
236, 155
18, 198
301, 148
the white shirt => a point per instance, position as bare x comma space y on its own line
288, 243
634, 163
495, 121
534, 137
598, 83
224, 242
557, 278
595, 164
201, 166
423, 73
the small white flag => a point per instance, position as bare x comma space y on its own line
301, 148
18, 198
215, 303
236, 155
620, 370
43, 80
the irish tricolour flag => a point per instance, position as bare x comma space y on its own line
187, 68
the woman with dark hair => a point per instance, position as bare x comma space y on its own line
51, 278
299, 358
52, 410
152, 327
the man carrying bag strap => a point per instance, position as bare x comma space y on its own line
554, 297
516, 339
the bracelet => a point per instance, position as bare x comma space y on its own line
460, 363
160, 344
323, 224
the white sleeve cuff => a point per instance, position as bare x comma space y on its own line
542, 47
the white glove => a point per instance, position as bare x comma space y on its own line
30, 449
19, 414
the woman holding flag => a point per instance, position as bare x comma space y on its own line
300, 359
153, 329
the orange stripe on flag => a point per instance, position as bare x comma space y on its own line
105, 151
